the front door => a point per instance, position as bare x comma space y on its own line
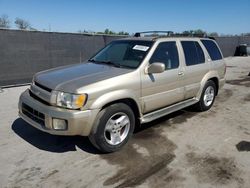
163, 89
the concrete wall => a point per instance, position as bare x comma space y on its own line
228, 45
23, 53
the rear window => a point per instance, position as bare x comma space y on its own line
193, 53
212, 49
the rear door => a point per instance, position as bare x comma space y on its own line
215, 57
195, 69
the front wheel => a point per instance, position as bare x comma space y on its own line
113, 127
207, 97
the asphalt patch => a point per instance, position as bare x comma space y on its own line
247, 98
224, 95
25, 176
240, 82
147, 154
243, 146
230, 66
214, 170
50, 174
187, 114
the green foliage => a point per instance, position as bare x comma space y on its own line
123, 33
213, 34
110, 32
194, 32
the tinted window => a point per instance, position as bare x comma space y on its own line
200, 53
193, 53
212, 49
166, 53
124, 53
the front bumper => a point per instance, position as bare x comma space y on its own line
79, 122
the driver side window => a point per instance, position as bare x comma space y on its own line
167, 53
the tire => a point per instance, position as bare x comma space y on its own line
207, 97
113, 127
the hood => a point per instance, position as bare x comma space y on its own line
70, 78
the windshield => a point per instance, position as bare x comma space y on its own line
128, 54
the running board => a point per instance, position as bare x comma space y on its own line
167, 110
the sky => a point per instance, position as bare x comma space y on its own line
222, 16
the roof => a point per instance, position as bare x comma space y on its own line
155, 35
139, 38
162, 38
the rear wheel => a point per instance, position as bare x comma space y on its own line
207, 97
113, 128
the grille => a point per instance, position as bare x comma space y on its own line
43, 87
38, 98
33, 114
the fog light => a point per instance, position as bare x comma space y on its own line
60, 124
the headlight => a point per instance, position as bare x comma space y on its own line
72, 101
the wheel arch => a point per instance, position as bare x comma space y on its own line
216, 82
213, 76
128, 101
120, 96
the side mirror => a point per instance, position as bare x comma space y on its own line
155, 68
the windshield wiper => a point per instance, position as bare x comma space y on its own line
111, 63
105, 62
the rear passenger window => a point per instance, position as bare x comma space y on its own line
167, 53
212, 49
193, 53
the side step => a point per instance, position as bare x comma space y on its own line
167, 110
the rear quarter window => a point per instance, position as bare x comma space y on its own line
212, 49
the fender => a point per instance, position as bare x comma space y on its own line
209, 75
114, 96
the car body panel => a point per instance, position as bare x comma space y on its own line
105, 84
71, 78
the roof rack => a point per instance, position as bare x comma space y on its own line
153, 33
189, 35
170, 34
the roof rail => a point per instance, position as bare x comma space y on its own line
139, 34
189, 35
171, 34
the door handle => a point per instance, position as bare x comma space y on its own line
181, 73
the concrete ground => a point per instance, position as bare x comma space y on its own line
184, 149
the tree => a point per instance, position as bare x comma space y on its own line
186, 33
199, 32
213, 34
194, 32
109, 32
246, 34
32, 29
123, 33
4, 21
22, 24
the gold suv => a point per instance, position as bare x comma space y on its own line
129, 82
